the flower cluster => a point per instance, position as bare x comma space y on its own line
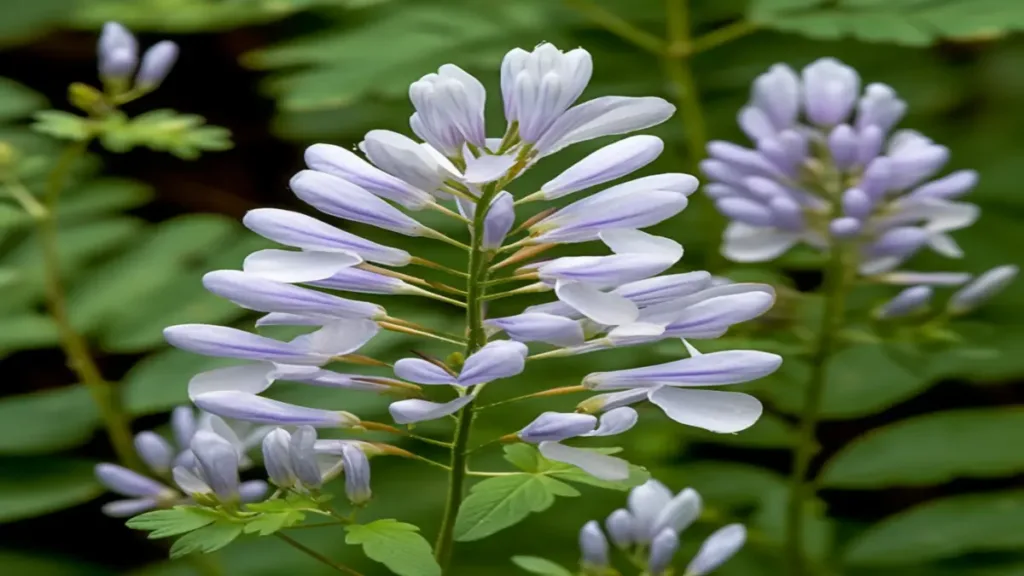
828, 170
649, 529
203, 461
617, 299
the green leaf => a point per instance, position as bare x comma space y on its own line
397, 545
541, 566
772, 515
17, 101
207, 539
33, 486
63, 125
269, 522
183, 135
27, 330
862, 380
193, 15
911, 22
172, 522
102, 196
27, 18
943, 529
931, 449
47, 421
523, 456
497, 503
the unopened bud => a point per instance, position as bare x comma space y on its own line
156, 64
84, 97
593, 546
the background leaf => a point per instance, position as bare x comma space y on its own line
36, 486
397, 545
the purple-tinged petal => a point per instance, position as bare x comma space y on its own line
746, 243
415, 410
156, 64
277, 458
252, 408
843, 143
615, 421
357, 474
777, 93
593, 546
621, 527
499, 220
879, 107
745, 211
128, 483
601, 307
337, 161
422, 372
188, 480
341, 198
256, 293
183, 424
663, 288
830, 91
869, 144
948, 187
403, 158
540, 327
604, 116
983, 288
555, 426
645, 504
582, 222
129, 508
303, 456
857, 204
221, 341
606, 164
755, 123
155, 451
663, 549
301, 231
252, 490
907, 302
717, 411
714, 369
364, 282
217, 459
845, 227
787, 214
680, 512
495, 360
722, 545
487, 168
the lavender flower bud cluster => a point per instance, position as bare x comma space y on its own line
204, 460
829, 170
118, 53
612, 300
299, 462
653, 522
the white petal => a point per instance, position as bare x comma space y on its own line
945, 245
339, 338
601, 307
714, 410
415, 410
487, 168
289, 266
251, 378
604, 116
745, 243
615, 421
422, 372
636, 329
498, 359
600, 466
629, 241
718, 548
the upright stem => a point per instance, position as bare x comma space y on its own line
836, 284
691, 113
74, 345
475, 291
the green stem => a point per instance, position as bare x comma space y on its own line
316, 555
691, 113
74, 345
475, 291
722, 35
837, 282
618, 26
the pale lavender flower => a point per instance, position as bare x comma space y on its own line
157, 453
277, 458
621, 528
337, 161
118, 52
416, 410
216, 464
449, 109
253, 408
356, 467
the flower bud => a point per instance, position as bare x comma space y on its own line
118, 52
679, 513
217, 460
357, 473
905, 303
555, 426
620, 526
983, 288
156, 452
277, 458
593, 546
718, 548
156, 64
663, 548
303, 457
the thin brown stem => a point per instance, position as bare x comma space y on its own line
316, 555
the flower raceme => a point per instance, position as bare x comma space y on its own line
828, 169
621, 298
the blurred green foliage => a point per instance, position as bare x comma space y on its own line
336, 68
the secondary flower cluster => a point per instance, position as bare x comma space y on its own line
203, 462
828, 170
652, 523
602, 301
